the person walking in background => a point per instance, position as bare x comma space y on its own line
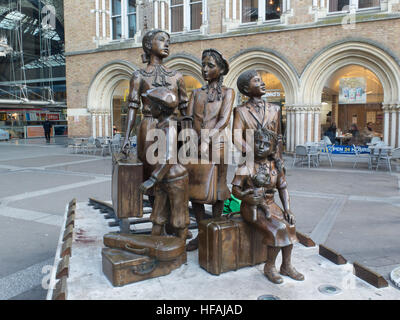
47, 129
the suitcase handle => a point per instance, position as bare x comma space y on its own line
231, 214
144, 251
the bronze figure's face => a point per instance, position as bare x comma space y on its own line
263, 146
160, 45
256, 87
210, 69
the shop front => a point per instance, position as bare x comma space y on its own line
352, 103
23, 123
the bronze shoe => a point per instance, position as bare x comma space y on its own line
272, 274
291, 272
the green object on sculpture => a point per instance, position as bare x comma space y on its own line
231, 205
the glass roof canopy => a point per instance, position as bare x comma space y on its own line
30, 52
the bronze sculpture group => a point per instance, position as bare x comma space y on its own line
170, 184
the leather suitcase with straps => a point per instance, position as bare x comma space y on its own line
132, 258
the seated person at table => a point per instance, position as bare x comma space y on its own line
356, 137
368, 133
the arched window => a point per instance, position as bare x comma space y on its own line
123, 19
353, 95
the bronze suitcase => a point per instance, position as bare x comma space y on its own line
121, 267
201, 175
127, 176
162, 248
229, 244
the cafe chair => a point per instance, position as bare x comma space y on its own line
358, 156
115, 143
74, 145
391, 155
103, 147
324, 151
302, 154
327, 140
90, 146
375, 140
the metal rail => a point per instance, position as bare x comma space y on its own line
108, 211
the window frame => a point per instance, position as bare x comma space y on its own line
127, 19
187, 17
112, 17
124, 21
190, 14
170, 6
352, 2
261, 12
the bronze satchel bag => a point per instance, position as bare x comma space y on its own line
202, 182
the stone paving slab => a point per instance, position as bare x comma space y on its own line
308, 211
55, 203
100, 166
29, 181
24, 243
45, 160
344, 183
190, 282
365, 231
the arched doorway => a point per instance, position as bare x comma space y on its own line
383, 64
112, 79
279, 75
120, 107
191, 83
352, 97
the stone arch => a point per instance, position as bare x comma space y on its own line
368, 54
99, 101
270, 61
185, 64
360, 52
104, 83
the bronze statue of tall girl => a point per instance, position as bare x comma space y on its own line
156, 47
210, 108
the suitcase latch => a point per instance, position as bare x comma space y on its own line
145, 268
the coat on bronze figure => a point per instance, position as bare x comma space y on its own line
169, 178
210, 108
156, 47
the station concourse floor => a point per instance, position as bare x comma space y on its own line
356, 212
